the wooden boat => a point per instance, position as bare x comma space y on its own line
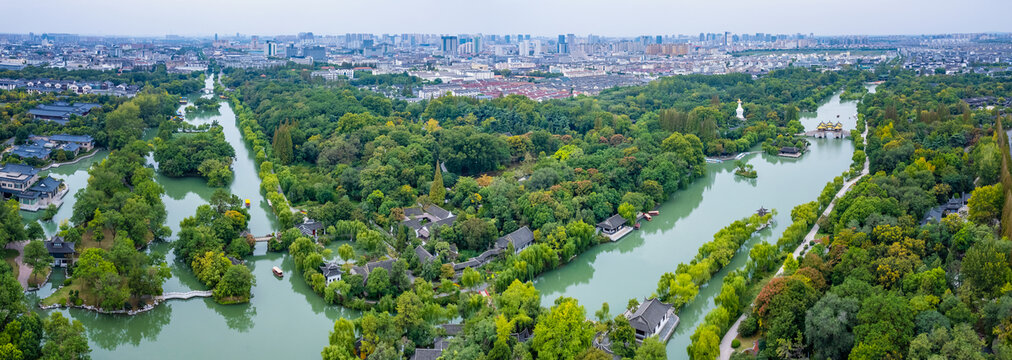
653, 212
648, 217
637, 226
277, 272
247, 203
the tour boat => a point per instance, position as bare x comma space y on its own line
277, 272
637, 226
247, 203
653, 212
648, 217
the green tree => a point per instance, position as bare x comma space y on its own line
986, 203
470, 278
36, 256
346, 252
11, 229
64, 340
283, 144
705, 343
378, 283
628, 212
437, 192
92, 266
828, 326
235, 285
652, 349
563, 332
210, 267
342, 341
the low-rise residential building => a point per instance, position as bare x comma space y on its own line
612, 225
41, 147
22, 183
423, 219
331, 271
652, 318
61, 251
519, 240
311, 228
61, 112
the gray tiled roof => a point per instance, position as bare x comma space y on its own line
46, 185
649, 315
423, 255
330, 269
613, 222
56, 245
427, 354
519, 238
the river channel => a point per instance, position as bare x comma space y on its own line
631, 267
286, 320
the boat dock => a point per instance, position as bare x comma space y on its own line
620, 233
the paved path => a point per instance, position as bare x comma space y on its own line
24, 271
725, 344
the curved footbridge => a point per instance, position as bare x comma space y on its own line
183, 295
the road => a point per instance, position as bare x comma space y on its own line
725, 344
23, 270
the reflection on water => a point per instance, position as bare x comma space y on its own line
284, 319
630, 268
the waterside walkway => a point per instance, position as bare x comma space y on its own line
725, 344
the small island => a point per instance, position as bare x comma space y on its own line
745, 170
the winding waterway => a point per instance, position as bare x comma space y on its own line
630, 268
284, 319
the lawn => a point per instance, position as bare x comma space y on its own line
61, 295
38, 280
88, 241
746, 343
9, 255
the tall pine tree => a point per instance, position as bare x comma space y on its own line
283, 144
437, 193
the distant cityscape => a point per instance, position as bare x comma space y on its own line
490, 66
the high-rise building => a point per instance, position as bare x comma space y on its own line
450, 44
659, 39
562, 46
318, 53
271, 49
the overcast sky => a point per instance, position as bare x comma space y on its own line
538, 17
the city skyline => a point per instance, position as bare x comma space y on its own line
628, 18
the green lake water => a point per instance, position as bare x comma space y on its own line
631, 267
286, 320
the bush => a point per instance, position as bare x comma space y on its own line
749, 326
735, 343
